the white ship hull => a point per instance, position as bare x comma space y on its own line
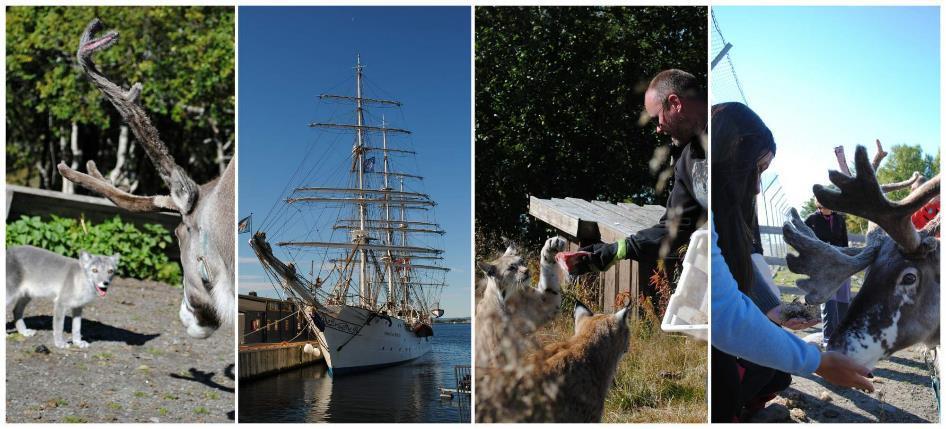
351, 345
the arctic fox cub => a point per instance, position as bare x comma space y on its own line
38, 273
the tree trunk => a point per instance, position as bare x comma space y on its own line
65, 185
120, 156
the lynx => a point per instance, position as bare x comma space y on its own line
508, 302
519, 381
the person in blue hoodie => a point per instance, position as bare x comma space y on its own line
742, 148
741, 329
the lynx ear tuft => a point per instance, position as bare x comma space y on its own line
488, 269
581, 312
621, 315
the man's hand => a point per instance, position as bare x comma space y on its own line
843, 371
598, 258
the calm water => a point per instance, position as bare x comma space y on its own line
404, 393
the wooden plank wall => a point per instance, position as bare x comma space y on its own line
272, 360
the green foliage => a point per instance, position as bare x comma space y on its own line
808, 208
900, 164
559, 97
183, 56
142, 251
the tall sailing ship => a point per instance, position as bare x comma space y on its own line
374, 299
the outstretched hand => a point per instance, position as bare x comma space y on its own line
795, 323
798, 323
844, 371
591, 259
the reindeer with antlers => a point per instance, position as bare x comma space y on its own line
898, 304
206, 234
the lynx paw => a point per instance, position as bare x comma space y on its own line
552, 246
80, 344
27, 332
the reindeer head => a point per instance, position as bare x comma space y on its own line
898, 304
206, 232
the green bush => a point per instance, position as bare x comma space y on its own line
142, 251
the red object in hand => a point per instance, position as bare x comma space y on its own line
568, 260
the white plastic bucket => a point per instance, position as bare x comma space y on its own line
687, 309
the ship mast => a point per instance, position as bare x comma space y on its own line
360, 236
396, 248
387, 215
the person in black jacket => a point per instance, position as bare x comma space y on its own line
677, 100
829, 226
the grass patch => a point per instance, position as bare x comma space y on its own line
154, 351
74, 419
163, 411
103, 356
58, 402
169, 397
16, 336
114, 406
211, 395
201, 410
139, 394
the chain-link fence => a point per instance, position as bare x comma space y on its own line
772, 204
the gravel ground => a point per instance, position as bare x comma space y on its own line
902, 394
140, 365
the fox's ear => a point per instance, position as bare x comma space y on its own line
581, 312
84, 257
488, 269
511, 250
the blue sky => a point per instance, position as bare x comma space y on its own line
827, 76
417, 55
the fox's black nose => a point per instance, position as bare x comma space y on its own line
105, 284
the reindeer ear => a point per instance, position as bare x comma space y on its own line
488, 269
581, 312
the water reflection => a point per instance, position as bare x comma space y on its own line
404, 393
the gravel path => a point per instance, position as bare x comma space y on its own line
902, 394
140, 365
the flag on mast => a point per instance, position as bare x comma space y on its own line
245, 224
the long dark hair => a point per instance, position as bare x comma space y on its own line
739, 139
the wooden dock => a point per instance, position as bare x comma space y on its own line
259, 360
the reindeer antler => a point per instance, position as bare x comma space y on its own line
878, 157
862, 196
184, 190
827, 266
95, 182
